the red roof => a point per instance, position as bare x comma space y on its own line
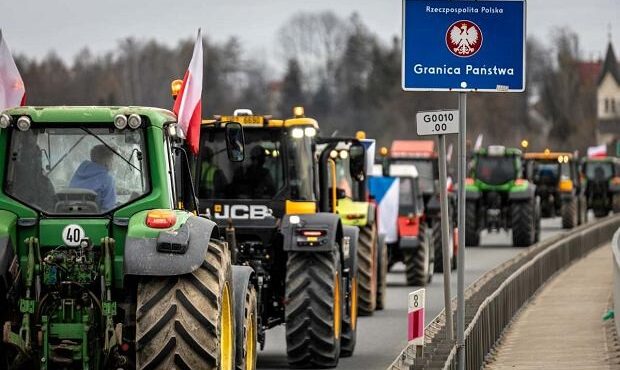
589, 71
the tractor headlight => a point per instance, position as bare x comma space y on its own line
5, 120
310, 131
344, 154
297, 133
120, 121
134, 121
23, 123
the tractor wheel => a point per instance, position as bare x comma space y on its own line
437, 246
569, 214
472, 234
187, 321
615, 203
382, 274
313, 312
523, 223
367, 268
600, 212
583, 210
246, 336
417, 261
349, 322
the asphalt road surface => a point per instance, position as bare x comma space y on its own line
381, 337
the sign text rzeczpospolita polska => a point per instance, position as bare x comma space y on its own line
469, 69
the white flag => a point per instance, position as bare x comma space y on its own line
12, 90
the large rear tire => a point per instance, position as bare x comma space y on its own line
472, 233
417, 261
615, 203
523, 223
367, 268
313, 312
569, 214
382, 275
187, 321
437, 245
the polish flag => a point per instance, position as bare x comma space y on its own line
187, 105
597, 151
12, 90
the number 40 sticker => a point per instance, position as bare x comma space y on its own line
72, 235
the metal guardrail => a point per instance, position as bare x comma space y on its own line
615, 248
495, 298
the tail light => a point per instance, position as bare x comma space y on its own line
469, 181
519, 182
355, 216
411, 220
311, 233
161, 219
615, 180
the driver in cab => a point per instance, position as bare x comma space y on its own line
94, 175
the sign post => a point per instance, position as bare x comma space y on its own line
440, 123
415, 320
462, 46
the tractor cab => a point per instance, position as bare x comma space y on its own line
602, 184
558, 185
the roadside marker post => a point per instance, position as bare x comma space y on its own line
415, 320
462, 46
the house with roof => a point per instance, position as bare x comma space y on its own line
608, 100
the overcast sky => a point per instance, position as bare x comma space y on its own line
36, 27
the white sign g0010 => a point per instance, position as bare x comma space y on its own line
438, 122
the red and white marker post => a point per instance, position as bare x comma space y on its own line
415, 332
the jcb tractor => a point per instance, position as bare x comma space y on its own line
558, 186
355, 209
602, 184
281, 200
423, 155
103, 263
497, 197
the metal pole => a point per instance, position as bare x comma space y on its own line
445, 234
460, 288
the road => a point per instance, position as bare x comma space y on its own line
382, 336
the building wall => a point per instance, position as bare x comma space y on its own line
608, 98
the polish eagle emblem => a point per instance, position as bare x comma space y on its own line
464, 38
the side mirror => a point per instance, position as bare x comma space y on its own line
357, 161
235, 142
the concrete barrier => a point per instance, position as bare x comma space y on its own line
495, 298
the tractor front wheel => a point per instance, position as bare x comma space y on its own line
523, 223
418, 261
367, 268
472, 234
382, 274
187, 321
569, 214
313, 312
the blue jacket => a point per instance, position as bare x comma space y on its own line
93, 176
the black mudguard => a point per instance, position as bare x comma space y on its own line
327, 222
142, 258
241, 278
350, 255
528, 193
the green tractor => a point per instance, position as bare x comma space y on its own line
356, 210
103, 262
602, 184
498, 198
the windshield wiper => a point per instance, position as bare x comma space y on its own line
110, 148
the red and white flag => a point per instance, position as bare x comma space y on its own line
12, 90
597, 151
187, 105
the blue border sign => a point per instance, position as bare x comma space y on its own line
464, 45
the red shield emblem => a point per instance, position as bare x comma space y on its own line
464, 38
